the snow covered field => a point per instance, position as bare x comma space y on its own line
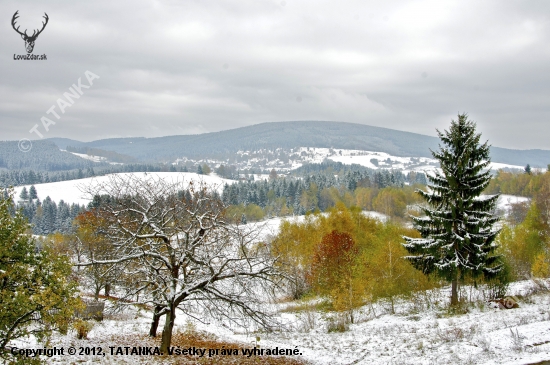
378, 160
421, 332
370, 159
504, 201
71, 191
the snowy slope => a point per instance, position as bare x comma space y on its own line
88, 157
418, 333
377, 160
505, 201
270, 227
72, 191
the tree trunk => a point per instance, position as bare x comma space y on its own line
107, 290
96, 294
454, 292
167, 331
155, 323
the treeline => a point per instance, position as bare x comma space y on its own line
48, 217
327, 167
28, 177
523, 184
332, 168
384, 191
525, 239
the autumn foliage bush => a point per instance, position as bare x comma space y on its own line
333, 256
347, 257
334, 271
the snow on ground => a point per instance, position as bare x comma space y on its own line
498, 166
88, 157
418, 335
420, 332
71, 191
504, 202
370, 159
260, 177
379, 160
270, 227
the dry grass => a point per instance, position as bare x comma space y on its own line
189, 339
307, 306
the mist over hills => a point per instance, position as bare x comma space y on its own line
269, 136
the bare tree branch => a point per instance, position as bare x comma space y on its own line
183, 254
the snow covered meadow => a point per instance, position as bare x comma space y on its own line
73, 191
370, 159
422, 331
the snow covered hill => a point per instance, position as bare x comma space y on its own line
292, 135
72, 191
288, 159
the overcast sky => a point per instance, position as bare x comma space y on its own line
182, 67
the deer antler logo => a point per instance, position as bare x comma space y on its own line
29, 40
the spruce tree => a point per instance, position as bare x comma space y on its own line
32, 193
457, 228
24, 195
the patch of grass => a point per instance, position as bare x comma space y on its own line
338, 323
538, 286
451, 334
322, 306
414, 317
82, 328
462, 307
517, 340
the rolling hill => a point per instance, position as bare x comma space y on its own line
293, 135
267, 136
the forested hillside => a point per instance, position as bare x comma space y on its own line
265, 145
287, 135
43, 156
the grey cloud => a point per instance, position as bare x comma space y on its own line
174, 67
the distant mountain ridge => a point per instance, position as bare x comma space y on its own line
292, 135
223, 145
271, 136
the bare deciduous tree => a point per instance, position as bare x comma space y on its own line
89, 242
184, 254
